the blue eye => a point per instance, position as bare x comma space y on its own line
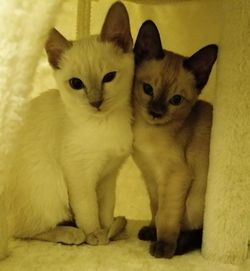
109, 77
176, 100
76, 83
148, 89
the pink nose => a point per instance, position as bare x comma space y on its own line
96, 104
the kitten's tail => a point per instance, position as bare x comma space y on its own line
188, 241
3, 226
117, 229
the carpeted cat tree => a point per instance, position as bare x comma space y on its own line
185, 26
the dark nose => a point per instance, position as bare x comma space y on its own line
157, 109
96, 104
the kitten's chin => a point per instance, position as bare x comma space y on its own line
156, 121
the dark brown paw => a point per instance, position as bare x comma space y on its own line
188, 241
147, 233
161, 249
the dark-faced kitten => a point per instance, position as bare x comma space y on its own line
172, 136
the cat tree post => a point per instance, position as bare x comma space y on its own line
226, 224
83, 18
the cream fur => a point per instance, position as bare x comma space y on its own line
66, 147
69, 153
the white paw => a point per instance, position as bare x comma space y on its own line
73, 236
99, 237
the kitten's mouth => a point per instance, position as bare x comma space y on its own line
157, 121
156, 118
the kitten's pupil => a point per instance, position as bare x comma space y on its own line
109, 77
148, 89
76, 83
176, 100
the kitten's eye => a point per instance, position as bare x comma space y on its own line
148, 89
109, 77
176, 100
76, 83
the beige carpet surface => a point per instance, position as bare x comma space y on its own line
131, 254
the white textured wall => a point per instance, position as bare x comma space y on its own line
227, 219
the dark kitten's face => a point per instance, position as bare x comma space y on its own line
167, 85
164, 91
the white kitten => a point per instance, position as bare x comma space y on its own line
74, 140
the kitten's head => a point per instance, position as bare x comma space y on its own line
94, 75
167, 85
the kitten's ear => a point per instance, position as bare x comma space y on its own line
148, 43
201, 63
55, 46
116, 27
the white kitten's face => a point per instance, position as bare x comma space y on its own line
94, 77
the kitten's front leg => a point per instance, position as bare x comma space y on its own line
85, 207
83, 201
106, 199
148, 233
172, 197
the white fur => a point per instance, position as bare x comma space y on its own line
68, 152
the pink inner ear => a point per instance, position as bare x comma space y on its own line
116, 28
55, 46
121, 39
122, 42
54, 57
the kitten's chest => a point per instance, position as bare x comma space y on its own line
152, 148
98, 141
152, 140
155, 149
